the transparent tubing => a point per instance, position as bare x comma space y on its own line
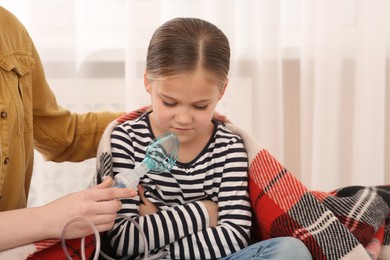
98, 250
82, 246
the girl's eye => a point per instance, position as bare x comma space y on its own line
201, 107
169, 104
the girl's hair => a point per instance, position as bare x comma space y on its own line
181, 45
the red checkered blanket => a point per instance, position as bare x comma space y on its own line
51, 249
347, 223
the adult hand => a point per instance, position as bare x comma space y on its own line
99, 205
146, 207
212, 210
220, 117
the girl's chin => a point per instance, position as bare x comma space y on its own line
183, 138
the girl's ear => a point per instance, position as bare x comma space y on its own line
223, 88
147, 83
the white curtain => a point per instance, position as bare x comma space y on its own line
309, 78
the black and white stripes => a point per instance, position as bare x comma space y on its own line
181, 226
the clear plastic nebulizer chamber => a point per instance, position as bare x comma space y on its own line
161, 155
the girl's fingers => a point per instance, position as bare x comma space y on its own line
141, 190
141, 193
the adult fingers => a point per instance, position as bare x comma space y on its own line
108, 207
111, 193
107, 182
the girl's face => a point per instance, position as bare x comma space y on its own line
184, 104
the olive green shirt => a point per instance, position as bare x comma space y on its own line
31, 118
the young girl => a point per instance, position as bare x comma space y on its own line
200, 209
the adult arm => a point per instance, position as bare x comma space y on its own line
59, 134
98, 204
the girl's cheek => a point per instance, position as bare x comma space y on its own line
164, 116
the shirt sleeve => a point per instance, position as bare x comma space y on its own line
59, 134
161, 228
235, 217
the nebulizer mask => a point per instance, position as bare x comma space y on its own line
161, 155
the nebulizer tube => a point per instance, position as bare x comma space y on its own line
161, 155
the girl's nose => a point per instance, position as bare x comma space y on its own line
183, 117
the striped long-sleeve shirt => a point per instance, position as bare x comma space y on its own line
181, 226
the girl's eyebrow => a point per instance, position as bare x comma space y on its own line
165, 96
203, 100
198, 101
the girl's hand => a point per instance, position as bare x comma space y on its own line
146, 207
220, 117
212, 209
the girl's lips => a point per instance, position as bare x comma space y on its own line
181, 129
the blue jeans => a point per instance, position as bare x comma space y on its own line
274, 248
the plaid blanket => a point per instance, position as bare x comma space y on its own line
347, 223
51, 249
